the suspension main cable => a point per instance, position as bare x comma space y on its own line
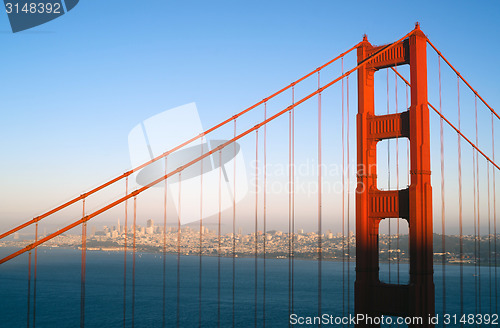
455, 128
215, 127
463, 79
241, 135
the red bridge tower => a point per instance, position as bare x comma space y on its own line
413, 204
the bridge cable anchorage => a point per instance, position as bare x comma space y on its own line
460, 209
178, 316
256, 222
219, 240
215, 127
83, 269
133, 261
443, 226
164, 280
200, 264
343, 200
125, 258
494, 212
463, 79
265, 223
140, 190
348, 203
397, 173
389, 180
234, 225
320, 246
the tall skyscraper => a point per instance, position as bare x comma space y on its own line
150, 223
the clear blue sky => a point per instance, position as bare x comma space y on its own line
72, 89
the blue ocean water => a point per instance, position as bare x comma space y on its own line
58, 290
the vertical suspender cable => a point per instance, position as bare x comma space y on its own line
290, 210
475, 226
264, 218
343, 200
460, 205
219, 239
320, 246
125, 258
234, 225
256, 216
443, 227
494, 212
164, 316
478, 237
34, 276
293, 197
29, 290
397, 169
200, 277
292, 191
489, 235
84, 251
389, 181
133, 261
179, 254
348, 203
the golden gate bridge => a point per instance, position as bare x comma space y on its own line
414, 204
